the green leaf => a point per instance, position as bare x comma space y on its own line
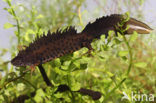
110, 74
8, 25
10, 11
66, 63
126, 16
5, 9
133, 36
38, 99
7, 1
76, 86
39, 16
3, 80
57, 62
141, 2
16, 33
117, 41
124, 58
83, 66
58, 95
140, 64
103, 38
39, 96
60, 71
40, 92
123, 53
119, 35
20, 87
30, 31
77, 64
111, 32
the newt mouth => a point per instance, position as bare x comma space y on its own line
139, 27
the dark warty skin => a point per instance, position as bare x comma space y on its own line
60, 43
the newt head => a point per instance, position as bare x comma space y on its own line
22, 59
17, 61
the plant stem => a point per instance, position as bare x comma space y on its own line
129, 67
29, 83
108, 95
12, 80
80, 17
130, 54
17, 20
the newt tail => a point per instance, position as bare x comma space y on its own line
57, 44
